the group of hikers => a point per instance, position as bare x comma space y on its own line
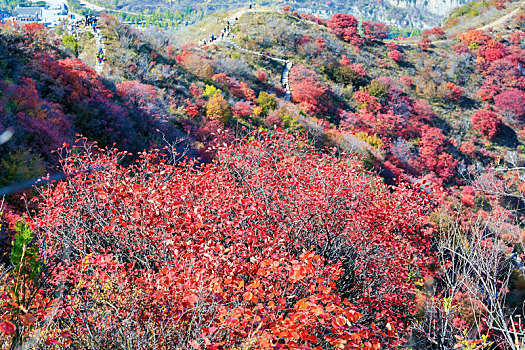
224, 33
91, 21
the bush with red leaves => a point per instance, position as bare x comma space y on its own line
345, 27
314, 97
511, 103
250, 250
487, 123
373, 31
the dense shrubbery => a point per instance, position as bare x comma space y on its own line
259, 261
433, 114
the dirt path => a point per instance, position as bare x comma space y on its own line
502, 20
100, 44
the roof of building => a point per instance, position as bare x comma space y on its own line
28, 11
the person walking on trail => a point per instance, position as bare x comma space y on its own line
100, 55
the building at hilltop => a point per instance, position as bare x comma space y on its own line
49, 16
28, 14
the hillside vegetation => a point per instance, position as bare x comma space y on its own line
192, 204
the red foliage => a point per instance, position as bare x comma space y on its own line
312, 18
468, 148
262, 76
242, 109
374, 31
422, 111
392, 46
227, 253
436, 31
474, 36
454, 92
221, 79
487, 123
511, 103
345, 27
359, 69
488, 91
320, 43
195, 91
468, 196
314, 97
137, 93
432, 151
424, 43
191, 109
344, 61
366, 101
304, 39
408, 81
395, 56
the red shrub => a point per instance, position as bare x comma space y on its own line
432, 150
424, 43
454, 92
242, 109
395, 56
511, 103
314, 97
344, 61
345, 27
374, 31
195, 91
487, 123
262, 76
223, 254
408, 81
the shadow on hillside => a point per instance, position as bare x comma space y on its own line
507, 137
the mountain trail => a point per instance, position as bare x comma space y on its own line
287, 63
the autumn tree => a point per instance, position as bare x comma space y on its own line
487, 123
217, 108
310, 93
373, 31
345, 27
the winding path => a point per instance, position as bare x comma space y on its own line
99, 40
287, 63
100, 45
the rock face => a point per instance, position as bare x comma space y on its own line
402, 13
431, 7
427, 13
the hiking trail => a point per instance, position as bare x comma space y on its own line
287, 63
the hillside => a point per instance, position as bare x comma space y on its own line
402, 13
298, 183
